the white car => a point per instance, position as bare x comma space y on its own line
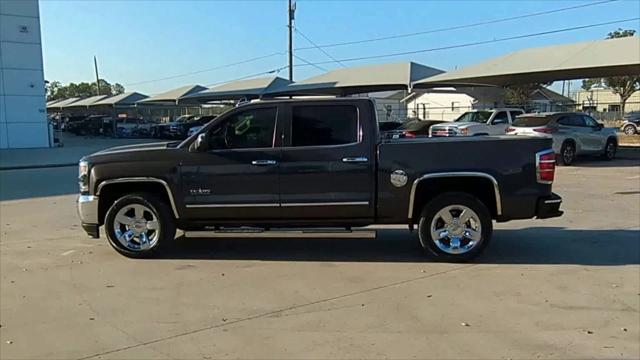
478, 122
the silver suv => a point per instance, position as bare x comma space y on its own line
573, 134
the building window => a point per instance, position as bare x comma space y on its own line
614, 108
455, 106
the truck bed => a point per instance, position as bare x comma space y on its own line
510, 160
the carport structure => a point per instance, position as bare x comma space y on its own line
601, 58
166, 106
237, 90
172, 96
59, 105
360, 80
122, 103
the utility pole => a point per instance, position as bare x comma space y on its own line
95, 64
292, 11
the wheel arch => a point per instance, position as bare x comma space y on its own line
110, 190
481, 185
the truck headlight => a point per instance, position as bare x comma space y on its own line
463, 131
83, 176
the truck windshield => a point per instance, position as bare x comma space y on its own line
530, 121
475, 116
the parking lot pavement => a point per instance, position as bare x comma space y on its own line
562, 288
75, 147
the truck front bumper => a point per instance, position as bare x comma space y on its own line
549, 207
88, 213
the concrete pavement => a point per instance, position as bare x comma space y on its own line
554, 289
75, 147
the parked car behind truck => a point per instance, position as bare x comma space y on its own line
314, 164
631, 124
573, 134
478, 122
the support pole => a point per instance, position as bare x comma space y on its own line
292, 10
95, 64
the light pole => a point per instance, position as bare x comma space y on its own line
292, 11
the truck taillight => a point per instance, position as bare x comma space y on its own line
510, 129
545, 166
409, 134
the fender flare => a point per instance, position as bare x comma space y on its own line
416, 182
142, 180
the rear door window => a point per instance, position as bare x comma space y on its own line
589, 121
501, 118
531, 121
324, 125
571, 120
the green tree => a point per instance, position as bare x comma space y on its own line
117, 89
623, 86
55, 90
519, 94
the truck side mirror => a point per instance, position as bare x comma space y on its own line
200, 144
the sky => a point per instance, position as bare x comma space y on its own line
146, 45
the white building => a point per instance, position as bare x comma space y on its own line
23, 121
449, 103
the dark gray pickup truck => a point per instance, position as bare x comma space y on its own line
314, 164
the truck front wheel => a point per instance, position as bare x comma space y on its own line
138, 225
455, 226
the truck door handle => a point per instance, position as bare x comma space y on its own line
264, 162
355, 159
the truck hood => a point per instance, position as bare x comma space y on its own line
135, 147
454, 125
138, 152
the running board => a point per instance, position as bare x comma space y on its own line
282, 233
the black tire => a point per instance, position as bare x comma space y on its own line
610, 150
567, 153
454, 199
630, 130
163, 214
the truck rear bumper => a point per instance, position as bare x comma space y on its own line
549, 207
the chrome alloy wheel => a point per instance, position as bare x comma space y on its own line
136, 227
456, 229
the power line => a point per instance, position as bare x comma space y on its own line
317, 47
206, 70
466, 26
369, 40
274, 71
314, 65
476, 43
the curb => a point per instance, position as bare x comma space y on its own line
45, 166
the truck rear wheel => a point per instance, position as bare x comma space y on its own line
455, 227
139, 225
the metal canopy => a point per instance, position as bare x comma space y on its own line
600, 58
51, 102
171, 97
62, 103
361, 79
126, 99
86, 102
237, 90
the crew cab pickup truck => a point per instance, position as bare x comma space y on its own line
314, 164
478, 122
